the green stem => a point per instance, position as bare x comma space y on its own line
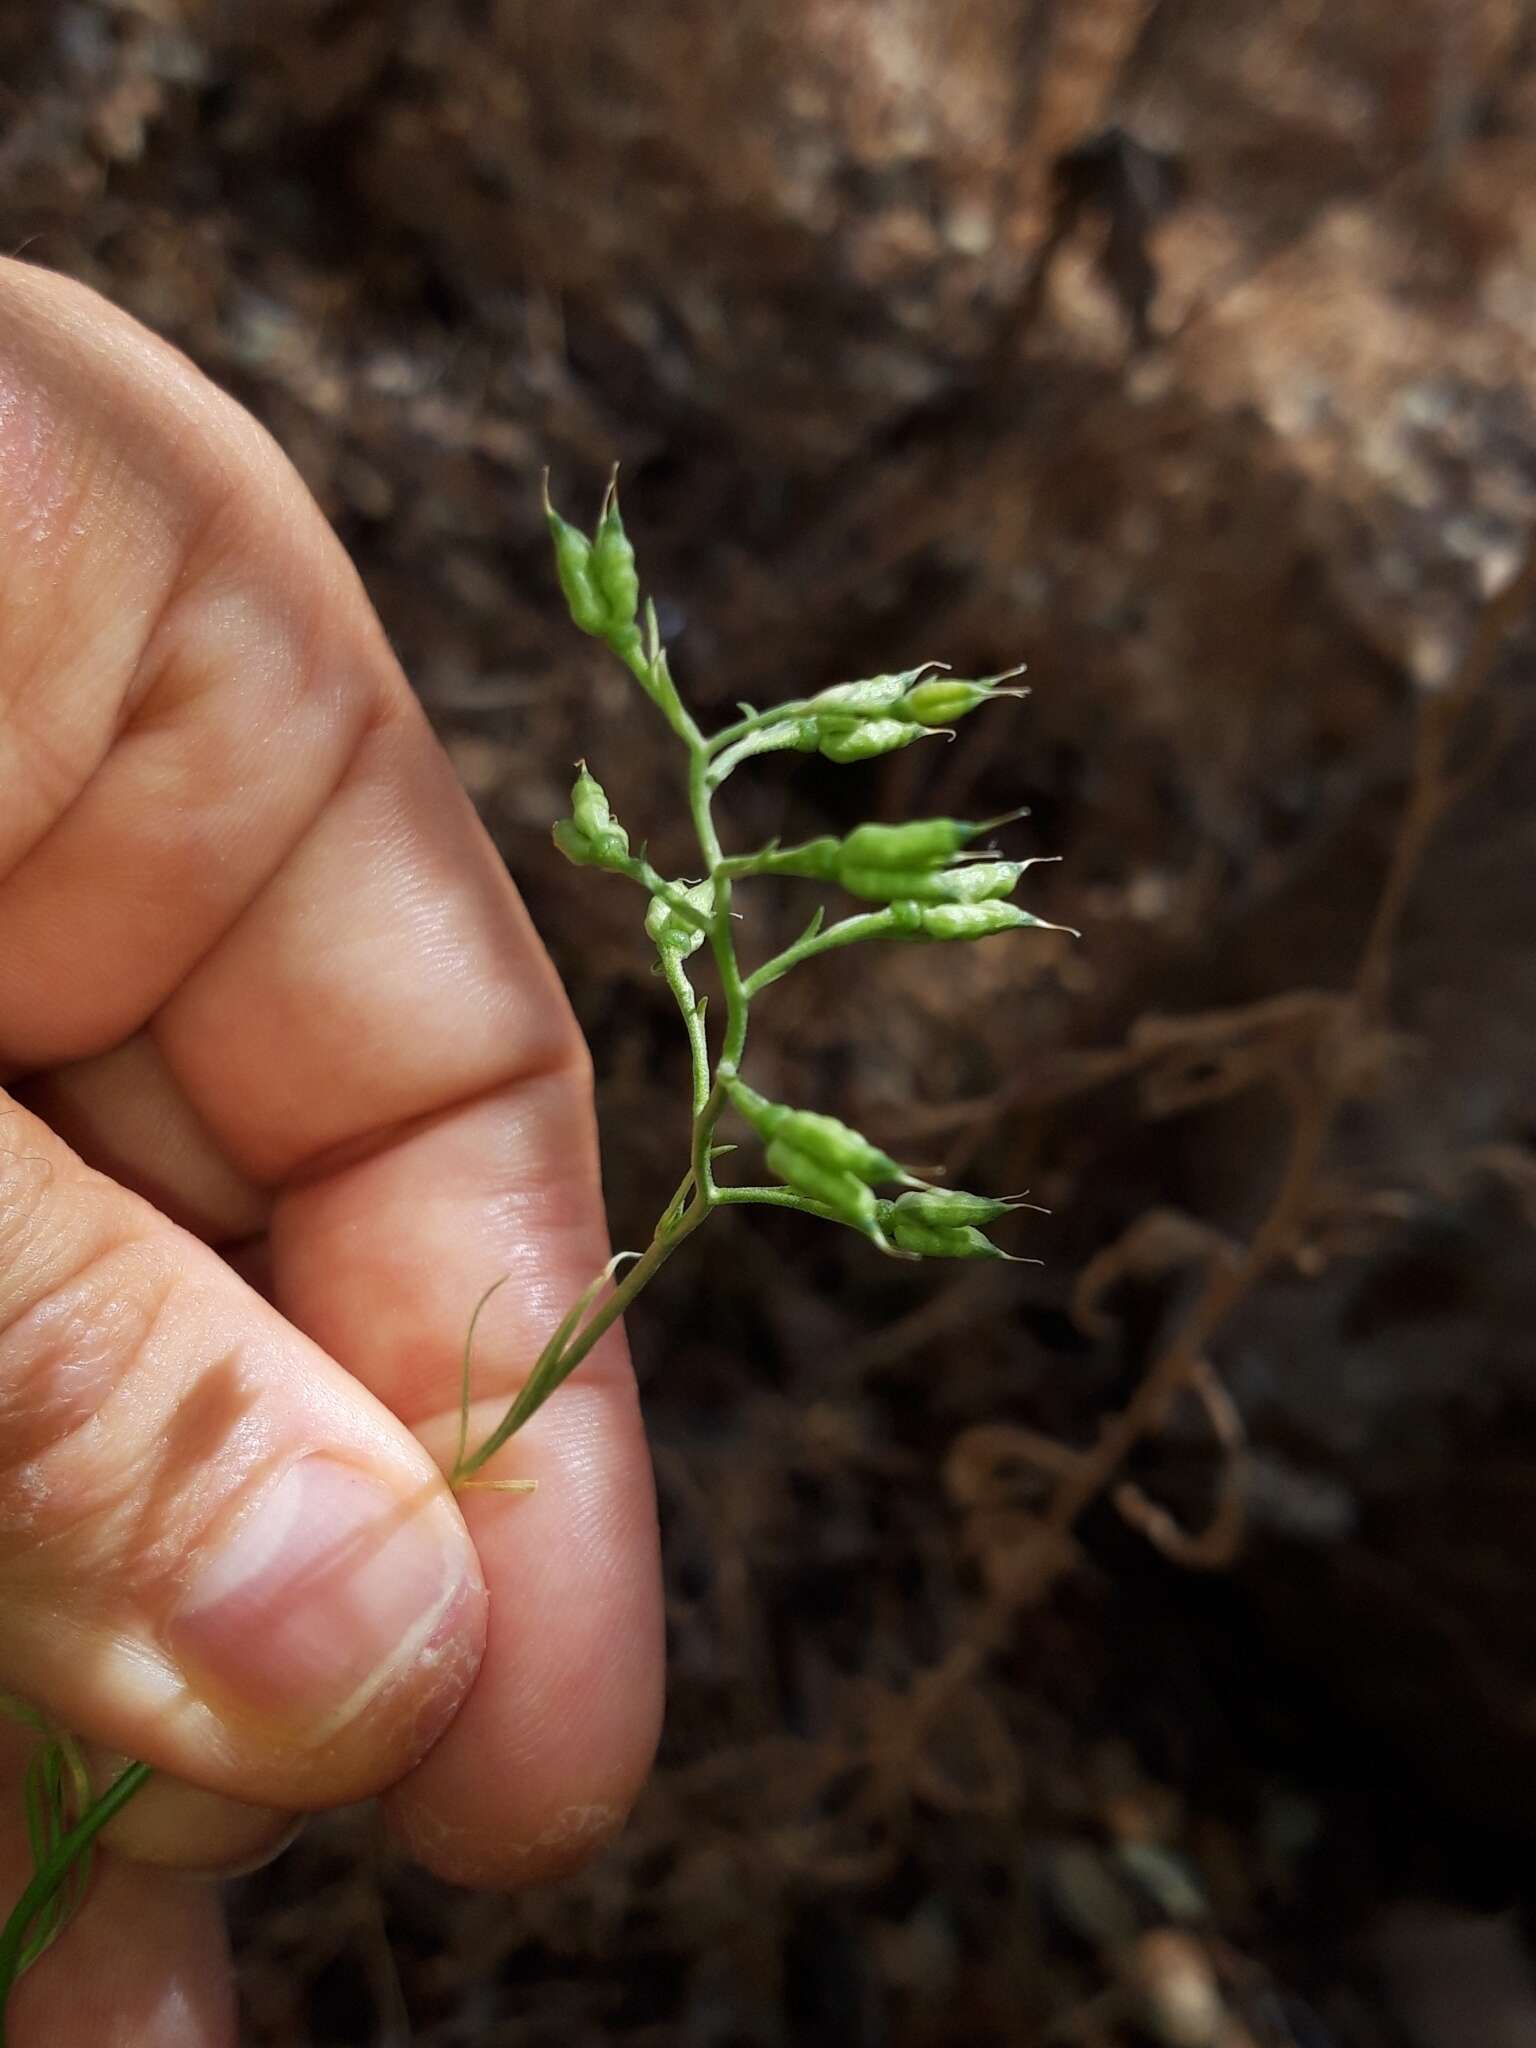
634, 869
539, 1388
770, 741
682, 1215
746, 728
693, 1023
776, 1198
649, 669
786, 1198
849, 931
812, 861
722, 938
49, 1876
702, 1172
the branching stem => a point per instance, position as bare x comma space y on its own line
848, 931
692, 1008
759, 721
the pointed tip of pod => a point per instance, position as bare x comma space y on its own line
1043, 924
1003, 818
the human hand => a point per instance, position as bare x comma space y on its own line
270, 1006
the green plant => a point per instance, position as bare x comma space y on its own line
930, 885
926, 882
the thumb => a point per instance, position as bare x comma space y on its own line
218, 1552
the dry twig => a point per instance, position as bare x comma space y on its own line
1318, 1070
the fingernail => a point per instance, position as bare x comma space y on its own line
330, 1586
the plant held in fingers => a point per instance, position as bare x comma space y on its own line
924, 882
929, 883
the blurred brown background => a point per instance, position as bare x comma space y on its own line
1185, 349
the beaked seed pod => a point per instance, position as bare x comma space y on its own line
613, 570
931, 1241
865, 699
943, 699
837, 1145
843, 1193
826, 1140
977, 884
950, 1208
590, 807
573, 565
979, 920
925, 843
982, 882
846, 743
594, 819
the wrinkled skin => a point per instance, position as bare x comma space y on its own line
288, 1082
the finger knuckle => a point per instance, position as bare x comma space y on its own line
70, 1339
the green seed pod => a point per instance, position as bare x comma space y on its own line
613, 571
825, 1140
589, 803
843, 1193
836, 1145
941, 702
925, 843
979, 920
863, 742
573, 564
952, 1208
593, 818
943, 699
976, 884
673, 934
982, 882
890, 885
930, 1241
873, 695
